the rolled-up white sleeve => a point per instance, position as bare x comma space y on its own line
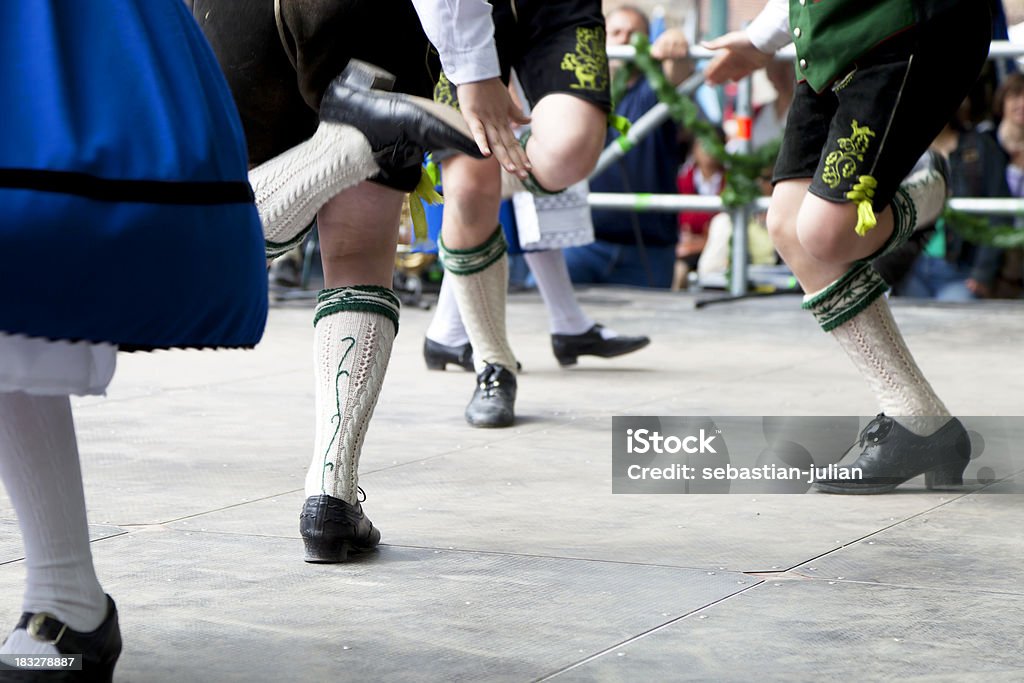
463, 33
769, 31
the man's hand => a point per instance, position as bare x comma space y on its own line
491, 114
738, 58
673, 49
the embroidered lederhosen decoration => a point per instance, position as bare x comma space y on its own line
444, 93
843, 163
589, 62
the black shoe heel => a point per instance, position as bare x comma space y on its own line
438, 356
320, 551
363, 76
566, 361
331, 529
104, 673
436, 364
945, 476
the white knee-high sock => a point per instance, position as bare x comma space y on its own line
858, 316
291, 187
564, 313
40, 469
479, 278
446, 326
355, 329
875, 345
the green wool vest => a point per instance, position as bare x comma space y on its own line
830, 35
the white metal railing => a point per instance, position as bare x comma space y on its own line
1001, 49
673, 203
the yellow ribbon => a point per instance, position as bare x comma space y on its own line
621, 126
863, 193
424, 192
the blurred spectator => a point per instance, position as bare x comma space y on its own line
1009, 111
702, 174
770, 119
946, 267
636, 248
715, 258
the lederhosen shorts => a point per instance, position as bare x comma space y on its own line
279, 62
555, 46
881, 117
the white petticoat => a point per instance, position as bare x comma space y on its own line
52, 368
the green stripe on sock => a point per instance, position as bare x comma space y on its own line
275, 249
530, 182
469, 261
904, 219
364, 298
846, 297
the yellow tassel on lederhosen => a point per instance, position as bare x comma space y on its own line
862, 194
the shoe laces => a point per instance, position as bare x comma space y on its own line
876, 431
490, 381
360, 492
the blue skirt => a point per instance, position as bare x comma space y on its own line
125, 210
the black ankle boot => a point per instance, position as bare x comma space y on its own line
99, 648
493, 403
399, 127
569, 347
892, 455
331, 528
438, 355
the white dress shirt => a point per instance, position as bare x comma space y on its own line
769, 31
463, 33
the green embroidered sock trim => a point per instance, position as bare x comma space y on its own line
530, 181
830, 291
275, 249
904, 219
533, 187
476, 259
363, 298
845, 298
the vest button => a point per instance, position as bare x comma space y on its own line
803, 64
797, 32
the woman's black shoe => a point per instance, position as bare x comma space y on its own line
438, 356
569, 347
331, 528
99, 649
892, 455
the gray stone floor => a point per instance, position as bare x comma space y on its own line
505, 555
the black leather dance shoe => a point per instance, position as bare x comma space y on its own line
99, 648
493, 403
331, 528
892, 455
438, 356
569, 347
399, 127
